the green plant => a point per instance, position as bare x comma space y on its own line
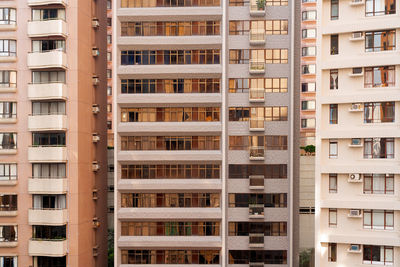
261, 4
306, 258
110, 242
310, 149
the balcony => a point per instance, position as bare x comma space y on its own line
47, 185
6, 118
256, 67
47, 122
46, 2
256, 264
257, 8
256, 153
8, 88
47, 154
10, 26
46, 28
52, 248
47, 216
11, 180
256, 182
257, 37
256, 125
256, 211
256, 95
256, 240
42, 91
49, 59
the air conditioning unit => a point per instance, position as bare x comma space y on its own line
95, 195
354, 177
356, 1
96, 223
357, 35
356, 107
95, 137
95, 80
356, 141
355, 213
95, 51
95, 23
354, 248
356, 71
95, 109
95, 251
95, 166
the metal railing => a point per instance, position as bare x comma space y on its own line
257, 65
256, 93
257, 151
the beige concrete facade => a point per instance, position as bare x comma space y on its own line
144, 197
352, 78
54, 210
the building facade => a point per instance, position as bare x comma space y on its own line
357, 172
53, 117
206, 143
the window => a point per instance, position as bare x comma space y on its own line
309, 15
8, 203
332, 252
375, 148
333, 114
379, 255
309, 33
332, 217
109, 39
174, 228
170, 57
263, 256
109, 56
48, 108
379, 219
167, 86
8, 141
109, 22
170, 143
170, 28
109, 108
378, 183
109, 73
268, 200
48, 139
40, 46
8, 48
268, 56
8, 78
383, 76
334, 79
270, 113
170, 200
8, 16
333, 183
48, 14
308, 51
109, 90
8, 171
172, 257
168, 3
334, 44
47, 232
49, 170
8, 233
271, 85
270, 142
109, 4
308, 87
379, 112
52, 261
380, 41
307, 123
177, 114
380, 7
334, 9
9, 261
48, 77
308, 69
173, 171
109, 125
308, 105
266, 228
268, 27
49, 202
8, 110
333, 149
269, 171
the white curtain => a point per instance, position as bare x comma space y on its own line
61, 202
390, 149
379, 183
37, 202
378, 219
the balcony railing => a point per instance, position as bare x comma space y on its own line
257, 36
256, 66
256, 153
256, 240
256, 182
256, 95
256, 211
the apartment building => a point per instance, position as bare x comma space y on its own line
206, 143
53, 141
357, 185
